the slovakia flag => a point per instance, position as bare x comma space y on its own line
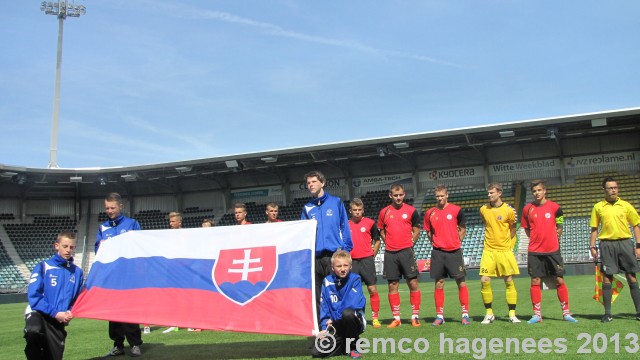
251, 278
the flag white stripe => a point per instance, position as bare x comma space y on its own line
206, 243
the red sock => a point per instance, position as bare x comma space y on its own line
463, 295
394, 301
536, 298
563, 296
375, 305
415, 298
438, 296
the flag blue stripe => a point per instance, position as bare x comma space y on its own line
294, 271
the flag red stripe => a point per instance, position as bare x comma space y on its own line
280, 311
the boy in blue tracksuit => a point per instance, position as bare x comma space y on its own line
341, 307
53, 288
118, 224
333, 230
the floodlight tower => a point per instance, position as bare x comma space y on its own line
61, 9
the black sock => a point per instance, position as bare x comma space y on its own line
635, 295
606, 297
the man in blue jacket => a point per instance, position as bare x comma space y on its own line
341, 308
333, 230
119, 224
53, 288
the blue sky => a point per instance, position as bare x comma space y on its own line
147, 82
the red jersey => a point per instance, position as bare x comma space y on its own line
398, 226
542, 221
443, 226
362, 234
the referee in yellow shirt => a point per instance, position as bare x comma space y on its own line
618, 252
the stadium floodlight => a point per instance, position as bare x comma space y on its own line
269, 159
183, 169
21, 178
129, 177
599, 122
507, 133
61, 9
232, 164
382, 150
401, 145
75, 179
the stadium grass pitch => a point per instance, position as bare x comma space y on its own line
88, 339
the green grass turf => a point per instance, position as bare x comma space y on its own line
88, 339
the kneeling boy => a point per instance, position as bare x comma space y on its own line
341, 308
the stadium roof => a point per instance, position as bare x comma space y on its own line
338, 155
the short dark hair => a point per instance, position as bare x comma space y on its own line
496, 186
396, 186
271, 205
537, 182
608, 179
240, 206
66, 233
315, 173
114, 196
440, 188
356, 202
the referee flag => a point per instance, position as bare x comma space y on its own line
616, 286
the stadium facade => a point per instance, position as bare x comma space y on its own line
571, 152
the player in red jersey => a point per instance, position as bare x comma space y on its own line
272, 213
240, 214
366, 243
445, 226
542, 221
399, 225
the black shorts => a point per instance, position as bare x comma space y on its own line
400, 263
447, 263
543, 265
366, 268
618, 256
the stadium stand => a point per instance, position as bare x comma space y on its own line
583, 149
34, 241
10, 276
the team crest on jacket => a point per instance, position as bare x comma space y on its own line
242, 275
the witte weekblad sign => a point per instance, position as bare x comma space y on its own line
523, 166
627, 157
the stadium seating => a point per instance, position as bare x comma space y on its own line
10, 277
34, 241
